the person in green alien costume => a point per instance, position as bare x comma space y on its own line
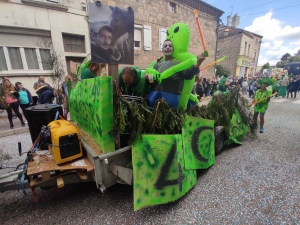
179, 35
222, 85
262, 99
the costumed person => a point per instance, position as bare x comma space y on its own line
171, 87
132, 82
9, 95
262, 99
93, 70
283, 87
223, 85
275, 86
179, 35
25, 98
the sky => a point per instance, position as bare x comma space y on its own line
278, 21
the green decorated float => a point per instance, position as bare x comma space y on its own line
156, 150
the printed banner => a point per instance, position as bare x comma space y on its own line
159, 174
198, 143
237, 129
111, 34
91, 106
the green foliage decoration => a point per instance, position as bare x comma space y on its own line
133, 115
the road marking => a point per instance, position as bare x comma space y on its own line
297, 102
280, 100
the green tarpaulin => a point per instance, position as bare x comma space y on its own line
198, 142
159, 174
237, 129
91, 106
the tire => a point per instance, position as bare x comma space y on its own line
47, 187
219, 142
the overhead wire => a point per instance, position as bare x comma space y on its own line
257, 6
271, 10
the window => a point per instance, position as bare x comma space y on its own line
31, 58
173, 7
245, 49
3, 65
137, 38
73, 43
46, 59
254, 56
248, 51
15, 58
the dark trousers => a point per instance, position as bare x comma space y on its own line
295, 93
15, 107
250, 93
23, 107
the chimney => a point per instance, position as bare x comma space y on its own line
235, 20
228, 20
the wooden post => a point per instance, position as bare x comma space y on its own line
113, 71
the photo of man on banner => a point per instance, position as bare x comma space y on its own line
111, 34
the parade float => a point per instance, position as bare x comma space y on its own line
112, 138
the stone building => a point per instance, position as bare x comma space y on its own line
28, 26
242, 48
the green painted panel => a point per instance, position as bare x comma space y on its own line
159, 174
237, 129
198, 142
91, 106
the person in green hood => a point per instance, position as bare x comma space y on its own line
132, 82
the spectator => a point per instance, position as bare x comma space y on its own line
11, 102
46, 95
244, 87
199, 89
40, 82
24, 98
92, 71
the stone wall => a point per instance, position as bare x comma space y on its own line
155, 13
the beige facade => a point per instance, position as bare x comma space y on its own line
24, 22
242, 48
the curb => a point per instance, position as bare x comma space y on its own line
14, 131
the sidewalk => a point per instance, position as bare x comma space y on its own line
5, 126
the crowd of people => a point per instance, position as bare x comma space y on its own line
285, 85
15, 96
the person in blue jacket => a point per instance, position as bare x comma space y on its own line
25, 97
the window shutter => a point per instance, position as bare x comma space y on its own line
162, 37
147, 38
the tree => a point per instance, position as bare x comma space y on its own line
221, 70
54, 62
280, 64
285, 56
265, 66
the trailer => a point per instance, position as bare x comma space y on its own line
162, 168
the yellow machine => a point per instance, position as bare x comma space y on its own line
65, 141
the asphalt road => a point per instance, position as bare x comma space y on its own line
256, 183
